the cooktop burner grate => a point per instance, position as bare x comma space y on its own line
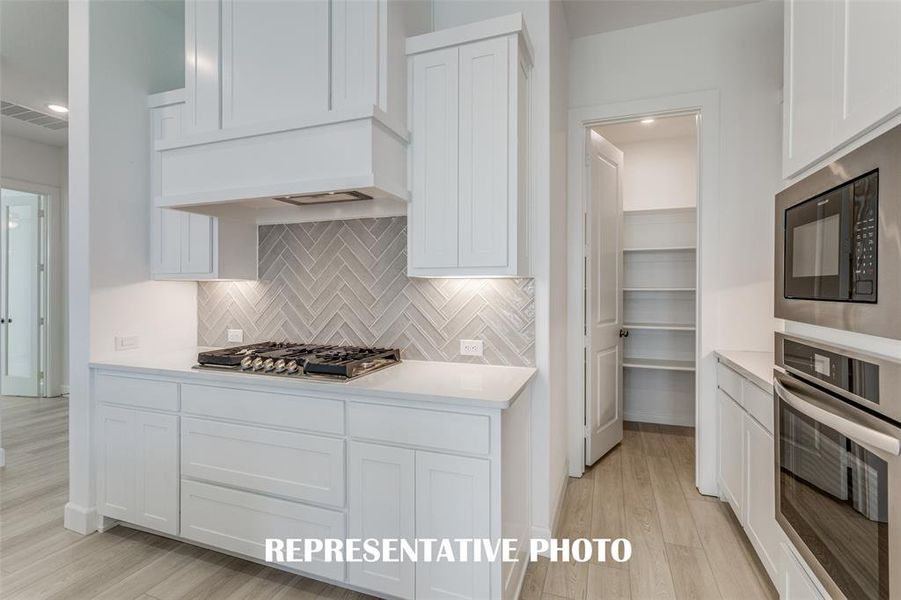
290, 359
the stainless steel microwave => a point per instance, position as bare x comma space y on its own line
838, 242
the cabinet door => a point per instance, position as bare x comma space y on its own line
868, 64
796, 584
116, 474
197, 244
202, 37
275, 60
809, 84
355, 53
484, 160
730, 417
452, 501
434, 208
165, 224
156, 465
380, 505
760, 501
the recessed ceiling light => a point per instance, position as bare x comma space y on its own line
58, 108
647, 121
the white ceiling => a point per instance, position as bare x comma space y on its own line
632, 132
587, 17
34, 62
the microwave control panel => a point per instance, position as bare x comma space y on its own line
864, 240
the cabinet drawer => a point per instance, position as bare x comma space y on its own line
282, 463
424, 428
265, 408
241, 521
758, 403
729, 381
135, 391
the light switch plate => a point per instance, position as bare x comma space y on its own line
127, 342
471, 347
235, 335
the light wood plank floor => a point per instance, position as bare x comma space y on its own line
39, 559
684, 545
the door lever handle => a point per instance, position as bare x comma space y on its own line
623, 333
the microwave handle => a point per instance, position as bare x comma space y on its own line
857, 432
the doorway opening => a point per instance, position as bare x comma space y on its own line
28, 298
642, 274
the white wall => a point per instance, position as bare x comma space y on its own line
547, 30
119, 53
660, 173
737, 51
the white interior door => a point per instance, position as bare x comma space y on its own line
603, 314
20, 289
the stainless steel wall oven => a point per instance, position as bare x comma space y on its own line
838, 470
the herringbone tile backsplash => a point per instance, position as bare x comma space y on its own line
345, 282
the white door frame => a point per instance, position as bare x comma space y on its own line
706, 104
51, 287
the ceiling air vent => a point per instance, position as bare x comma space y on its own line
23, 113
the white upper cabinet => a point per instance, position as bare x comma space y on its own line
842, 75
185, 245
469, 91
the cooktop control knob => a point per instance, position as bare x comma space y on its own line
247, 363
280, 365
269, 364
292, 367
257, 363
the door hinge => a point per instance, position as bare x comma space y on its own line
40, 374
42, 321
587, 431
587, 159
41, 213
42, 267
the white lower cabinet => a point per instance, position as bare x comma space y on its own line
796, 583
452, 501
264, 463
381, 506
138, 468
760, 492
240, 522
730, 417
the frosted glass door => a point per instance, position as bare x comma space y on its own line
19, 306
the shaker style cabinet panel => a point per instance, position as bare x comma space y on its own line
730, 419
138, 468
760, 491
842, 75
433, 212
469, 89
275, 60
380, 506
185, 245
452, 501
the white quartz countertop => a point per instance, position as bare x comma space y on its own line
756, 366
485, 386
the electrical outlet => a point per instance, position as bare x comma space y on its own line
471, 347
235, 335
127, 342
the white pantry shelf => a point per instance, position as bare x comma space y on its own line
658, 289
659, 364
660, 326
662, 249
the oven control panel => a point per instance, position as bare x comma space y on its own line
850, 374
864, 240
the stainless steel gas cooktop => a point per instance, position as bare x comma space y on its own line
300, 360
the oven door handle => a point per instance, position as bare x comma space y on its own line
857, 432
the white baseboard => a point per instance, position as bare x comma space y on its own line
64, 389
682, 419
545, 533
80, 519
